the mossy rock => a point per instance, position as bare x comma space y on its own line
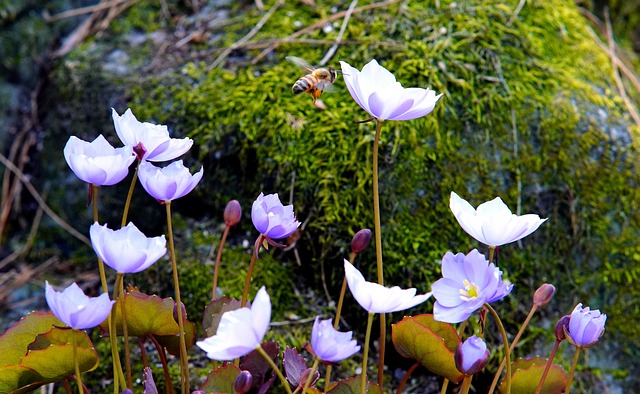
529, 112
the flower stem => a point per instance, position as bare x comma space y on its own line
466, 384
505, 340
127, 202
336, 322
125, 330
492, 252
184, 363
214, 283
275, 368
103, 276
163, 361
143, 352
378, 236
406, 377
365, 356
547, 367
76, 362
445, 385
567, 388
247, 282
494, 384
307, 383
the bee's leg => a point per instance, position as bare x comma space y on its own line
315, 93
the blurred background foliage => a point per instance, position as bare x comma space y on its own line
530, 112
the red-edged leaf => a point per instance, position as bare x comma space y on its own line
146, 315
214, 311
526, 374
352, 386
16, 339
172, 342
429, 342
294, 366
221, 380
259, 367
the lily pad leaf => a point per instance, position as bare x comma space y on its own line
172, 342
429, 342
146, 315
221, 380
352, 386
61, 336
213, 313
15, 341
527, 374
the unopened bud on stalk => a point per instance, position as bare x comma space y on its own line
544, 294
243, 382
232, 213
360, 240
175, 312
560, 327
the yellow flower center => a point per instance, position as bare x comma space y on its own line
470, 291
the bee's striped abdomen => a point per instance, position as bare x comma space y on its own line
304, 84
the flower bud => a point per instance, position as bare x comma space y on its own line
360, 240
471, 355
198, 392
560, 327
232, 213
544, 294
243, 382
175, 312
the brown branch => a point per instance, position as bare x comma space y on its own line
23, 178
27, 245
247, 37
80, 11
345, 22
516, 12
318, 25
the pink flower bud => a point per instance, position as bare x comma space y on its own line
544, 294
232, 213
243, 382
175, 312
471, 355
560, 326
360, 240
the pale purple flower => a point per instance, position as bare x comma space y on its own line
168, 183
98, 162
77, 310
158, 146
331, 345
376, 298
585, 326
240, 331
126, 250
467, 283
492, 223
471, 355
376, 90
273, 219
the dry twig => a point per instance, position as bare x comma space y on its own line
80, 11
516, 12
345, 22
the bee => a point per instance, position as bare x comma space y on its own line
316, 81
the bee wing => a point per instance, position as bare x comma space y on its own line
303, 64
325, 86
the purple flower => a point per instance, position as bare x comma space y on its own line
331, 345
155, 140
467, 283
126, 250
376, 298
585, 326
75, 309
471, 355
98, 162
273, 219
240, 331
168, 183
376, 90
492, 223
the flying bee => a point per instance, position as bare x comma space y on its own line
316, 81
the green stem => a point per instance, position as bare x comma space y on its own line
378, 238
307, 383
494, 384
505, 340
214, 284
406, 377
492, 251
365, 356
547, 367
127, 203
103, 276
275, 368
247, 282
119, 380
466, 384
75, 360
445, 385
125, 331
567, 388
336, 323
184, 363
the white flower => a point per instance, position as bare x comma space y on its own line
331, 345
168, 183
98, 162
77, 310
492, 223
126, 250
240, 331
157, 144
379, 299
376, 90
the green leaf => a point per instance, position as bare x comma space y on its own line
526, 374
429, 342
172, 342
352, 386
146, 315
221, 380
213, 312
61, 336
56, 362
15, 340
